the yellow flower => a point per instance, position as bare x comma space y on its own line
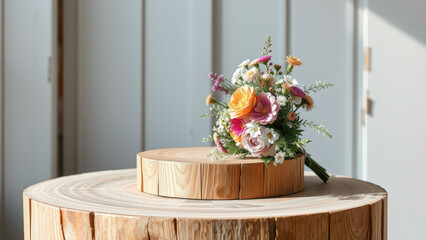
310, 103
242, 102
293, 61
209, 99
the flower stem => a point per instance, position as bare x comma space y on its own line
289, 69
221, 105
316, 168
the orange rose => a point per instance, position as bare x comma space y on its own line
236, 138
293, 61
242, 102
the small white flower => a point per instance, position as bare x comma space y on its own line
297, 100
254, 129
251, 74
281, 100
236, 76
279, 158
290, 125
289, 80
270, 135
244, 63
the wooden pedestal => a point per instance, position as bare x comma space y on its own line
107, 205
189, 173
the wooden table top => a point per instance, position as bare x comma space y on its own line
115, 192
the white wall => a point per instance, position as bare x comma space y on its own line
108, 84
178, 58
396, 128
322, 34
27, 103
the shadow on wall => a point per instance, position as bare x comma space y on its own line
410, 12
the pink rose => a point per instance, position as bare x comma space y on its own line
257, 146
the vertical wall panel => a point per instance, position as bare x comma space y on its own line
244, 26
109, 84
70, 87
27, 104
177, 63
322, 36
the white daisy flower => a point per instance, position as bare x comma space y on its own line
281, 100
251, 74
279, 158
270, 135
254, 129
244, 63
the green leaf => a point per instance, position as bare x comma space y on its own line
266, 160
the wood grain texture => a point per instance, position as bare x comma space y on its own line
45, 222
385, 218
189, 173
251, 185
179, 179
150, 176
283, 178
376, 216
77, 224
350, 224
302, 172
110, 202
303, 227
162, 228
188, 228
255, 228
139, 178
27, 216
116, 227
221, 181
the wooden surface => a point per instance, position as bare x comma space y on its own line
107, 205
190, 173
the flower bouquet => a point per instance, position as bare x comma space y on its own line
262, 115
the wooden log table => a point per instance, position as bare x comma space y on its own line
107, 205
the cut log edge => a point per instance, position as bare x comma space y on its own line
272, 221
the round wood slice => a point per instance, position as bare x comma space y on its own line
190, 173
107, 205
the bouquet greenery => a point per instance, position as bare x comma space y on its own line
262, 115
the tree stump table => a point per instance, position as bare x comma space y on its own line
107, 205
